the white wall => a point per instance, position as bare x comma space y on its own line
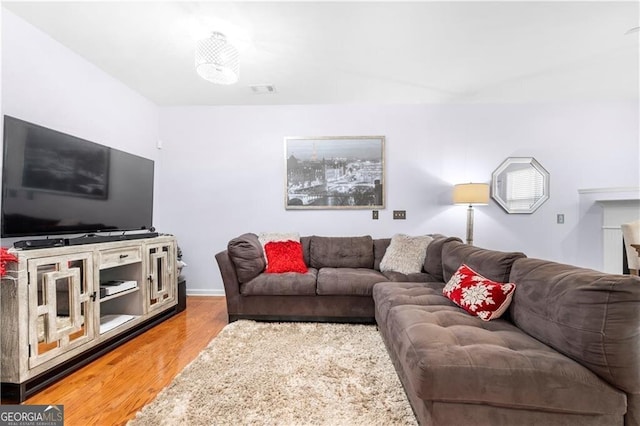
45, 83
225, 167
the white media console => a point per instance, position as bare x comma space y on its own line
54, 319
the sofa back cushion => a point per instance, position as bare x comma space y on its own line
379, 249
590, 316
492, 264
247, 255
433, 260
305, 241
341, 252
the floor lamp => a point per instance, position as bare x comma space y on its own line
471, 194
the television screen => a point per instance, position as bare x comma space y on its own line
54, 183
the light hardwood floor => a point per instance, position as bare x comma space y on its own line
110, 390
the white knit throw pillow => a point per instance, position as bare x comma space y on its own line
405, 254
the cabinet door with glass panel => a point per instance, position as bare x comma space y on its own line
61, 305
161, 275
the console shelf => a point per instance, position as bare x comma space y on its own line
119, 294
53, 317
113, 321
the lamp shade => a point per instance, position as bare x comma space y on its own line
471, 193
217, 60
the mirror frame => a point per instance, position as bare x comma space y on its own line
497, 180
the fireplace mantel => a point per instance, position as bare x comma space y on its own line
613, 193
618, 206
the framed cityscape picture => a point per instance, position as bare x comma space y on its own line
334, 172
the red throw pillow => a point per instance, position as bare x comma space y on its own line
478, 295
284, 256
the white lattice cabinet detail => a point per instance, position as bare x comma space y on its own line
56, 315
161, 275
60, 305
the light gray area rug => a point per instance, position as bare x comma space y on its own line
256, 373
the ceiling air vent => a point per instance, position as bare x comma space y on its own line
263, 89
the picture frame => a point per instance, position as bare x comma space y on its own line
334, 172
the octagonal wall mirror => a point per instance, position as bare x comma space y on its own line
520, 185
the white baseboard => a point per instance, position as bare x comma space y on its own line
205, 292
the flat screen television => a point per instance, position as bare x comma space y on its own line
54, 183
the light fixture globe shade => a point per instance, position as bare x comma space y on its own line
217, 61
471, 194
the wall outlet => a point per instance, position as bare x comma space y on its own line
560, 218
374, 215
399, 214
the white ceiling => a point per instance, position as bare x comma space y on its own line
359, 52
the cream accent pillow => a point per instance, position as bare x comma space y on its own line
405, 254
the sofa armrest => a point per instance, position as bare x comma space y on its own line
229, 276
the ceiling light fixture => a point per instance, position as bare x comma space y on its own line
217, 60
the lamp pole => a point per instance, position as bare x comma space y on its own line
470, 225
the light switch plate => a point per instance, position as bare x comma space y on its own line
399, 214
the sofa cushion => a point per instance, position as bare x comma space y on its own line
386, 295
493, 264
379, 248
305, 241
347, 281
590, 316
286, 284
247, 255
405, 254
433, 259
421, 277
450, 356
478, 295
341, 252
284, 256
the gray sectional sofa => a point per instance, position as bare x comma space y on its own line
566, 352
337, 287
